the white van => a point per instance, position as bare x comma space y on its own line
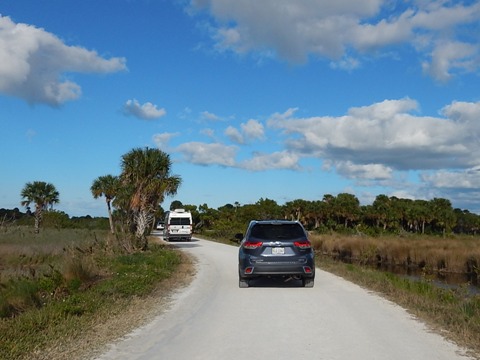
178, 225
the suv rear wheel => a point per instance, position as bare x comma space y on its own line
242, 282
308, 282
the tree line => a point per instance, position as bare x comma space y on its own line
343, 213
134, 197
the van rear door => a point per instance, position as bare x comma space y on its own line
180, 225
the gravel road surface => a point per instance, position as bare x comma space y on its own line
213, 318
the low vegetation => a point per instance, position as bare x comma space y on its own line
56, 287
458, 254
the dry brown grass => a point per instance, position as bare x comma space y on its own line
26, 254
86, 307
454, 254
121, 318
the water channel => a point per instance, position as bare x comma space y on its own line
444, 280
468, 282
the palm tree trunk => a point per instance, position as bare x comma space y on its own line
38, 219
142, 220
110, 218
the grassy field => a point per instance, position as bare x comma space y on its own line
59, 286
455, 254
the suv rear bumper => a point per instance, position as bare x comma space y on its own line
253, 270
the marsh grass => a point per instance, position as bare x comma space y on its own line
451, 254
56, 286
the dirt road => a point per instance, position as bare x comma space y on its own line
214, 319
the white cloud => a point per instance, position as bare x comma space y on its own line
468, 179
384, 110
33, 63
463, 112
208, 132
253, 130
208, 154
276, 160
224, 155
209, 116
146, 111
294, 30
448, 56
234, 135
437, 15
350, 170
162, 140
386, 136
346, 63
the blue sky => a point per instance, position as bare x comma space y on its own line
252, 99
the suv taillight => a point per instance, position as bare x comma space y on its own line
252, 245
303, 244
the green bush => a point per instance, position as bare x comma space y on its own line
50, 281
17, 296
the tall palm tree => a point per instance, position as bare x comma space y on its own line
43, 195
443, 214
107, 186
347, 208
147, 172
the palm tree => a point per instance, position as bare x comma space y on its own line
444, 216
43, 195
295, 209
147, 172
106, 186
347, 207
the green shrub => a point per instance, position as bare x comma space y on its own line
17, 296
50, 281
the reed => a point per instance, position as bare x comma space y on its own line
450, 255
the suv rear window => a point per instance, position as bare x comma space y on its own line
180, 221
274, 232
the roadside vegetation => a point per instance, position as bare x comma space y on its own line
58, 287
61, 277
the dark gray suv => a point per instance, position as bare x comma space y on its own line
275, 248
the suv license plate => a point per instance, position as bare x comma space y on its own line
278, 251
